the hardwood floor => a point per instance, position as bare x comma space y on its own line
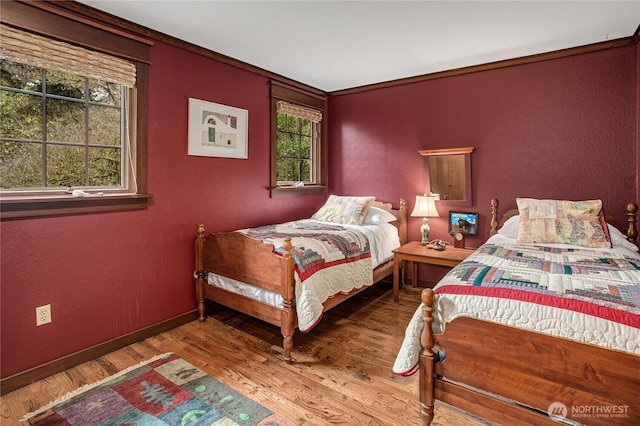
341, 375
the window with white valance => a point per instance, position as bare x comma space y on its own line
296, 142
75, 93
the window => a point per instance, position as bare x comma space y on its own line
298, 136
73, 115
61, 130
296, 142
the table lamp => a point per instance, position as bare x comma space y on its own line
425, 208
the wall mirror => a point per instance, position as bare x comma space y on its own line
448, 173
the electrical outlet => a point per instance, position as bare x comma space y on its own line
43, 315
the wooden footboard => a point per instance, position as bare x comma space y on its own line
236, 256
513, 376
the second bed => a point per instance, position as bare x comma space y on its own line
289, 274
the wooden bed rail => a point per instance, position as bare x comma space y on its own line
632, 219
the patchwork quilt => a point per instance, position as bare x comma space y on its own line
583, 294
329, 259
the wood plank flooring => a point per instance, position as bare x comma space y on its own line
341, 375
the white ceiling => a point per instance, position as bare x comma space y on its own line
334, 45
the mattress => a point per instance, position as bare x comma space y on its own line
382, 239
587, 295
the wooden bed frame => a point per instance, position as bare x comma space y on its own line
236, 256
513, 376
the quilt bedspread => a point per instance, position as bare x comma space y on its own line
583, 294
606, 285
329, 259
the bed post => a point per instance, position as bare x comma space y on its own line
427, 360
632, 215
289, 318
494, 216
200, 274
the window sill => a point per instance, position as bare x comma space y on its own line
35, 207
296, 191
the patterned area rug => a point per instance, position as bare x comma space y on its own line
165, 390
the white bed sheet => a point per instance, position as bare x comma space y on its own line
383, 239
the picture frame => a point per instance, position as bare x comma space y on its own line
464, 222
217, 130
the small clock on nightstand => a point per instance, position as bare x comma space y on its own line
458, 239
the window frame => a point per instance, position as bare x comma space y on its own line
48, 20
282, 92
43, 97
315, 135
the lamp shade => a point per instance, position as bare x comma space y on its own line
426, 206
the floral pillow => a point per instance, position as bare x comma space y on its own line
345, 210
561, 222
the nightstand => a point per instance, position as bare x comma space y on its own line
417, 253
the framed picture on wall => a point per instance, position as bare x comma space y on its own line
217, 130
466, 223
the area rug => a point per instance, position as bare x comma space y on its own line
165, 390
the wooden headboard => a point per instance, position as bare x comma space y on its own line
631, 231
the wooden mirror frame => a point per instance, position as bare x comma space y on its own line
466, 151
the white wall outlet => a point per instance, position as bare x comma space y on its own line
43, 315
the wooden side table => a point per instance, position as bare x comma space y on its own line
415, 252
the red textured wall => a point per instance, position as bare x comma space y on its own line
109, 274
563, 128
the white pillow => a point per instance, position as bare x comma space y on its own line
618, 239
376, 216
510, 227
